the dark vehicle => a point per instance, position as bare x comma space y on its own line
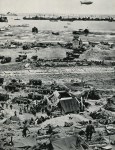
6, 60
21, 100
81, 31
15, 85
34, 30
1, 57
55, 33
3, 19
26, 47
20, 58
76, 32
86, 31
35, 82
93, 43
4, 97
35, 96
72, 54
23, 56
34, 57
12, 87
68, 58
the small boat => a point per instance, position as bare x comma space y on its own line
11, 14
16, 19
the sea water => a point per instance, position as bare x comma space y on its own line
96, 26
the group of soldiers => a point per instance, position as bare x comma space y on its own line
89, 130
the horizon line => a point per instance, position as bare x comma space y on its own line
52, 13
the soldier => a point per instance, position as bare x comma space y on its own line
90, 130
11, 106
20, 111
15, 113
50, 130
6, 105
24, 131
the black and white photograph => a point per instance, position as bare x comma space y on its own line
57, 74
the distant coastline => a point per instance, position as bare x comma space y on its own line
70, 18
66, 17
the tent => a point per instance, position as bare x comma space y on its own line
69, 143
69, 105
21, 143
14, 118
7, 121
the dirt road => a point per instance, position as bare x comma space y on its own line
61, 70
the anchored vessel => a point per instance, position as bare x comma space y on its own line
86, 2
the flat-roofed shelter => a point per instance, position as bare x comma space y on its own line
69, 105
66, 102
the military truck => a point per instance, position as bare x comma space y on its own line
6, 60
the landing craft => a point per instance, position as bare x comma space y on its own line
86, 2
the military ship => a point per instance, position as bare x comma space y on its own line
86, 2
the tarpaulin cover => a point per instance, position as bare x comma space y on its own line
68, 143
69, 105
24, 142
14, 118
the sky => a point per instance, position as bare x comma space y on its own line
57, 6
